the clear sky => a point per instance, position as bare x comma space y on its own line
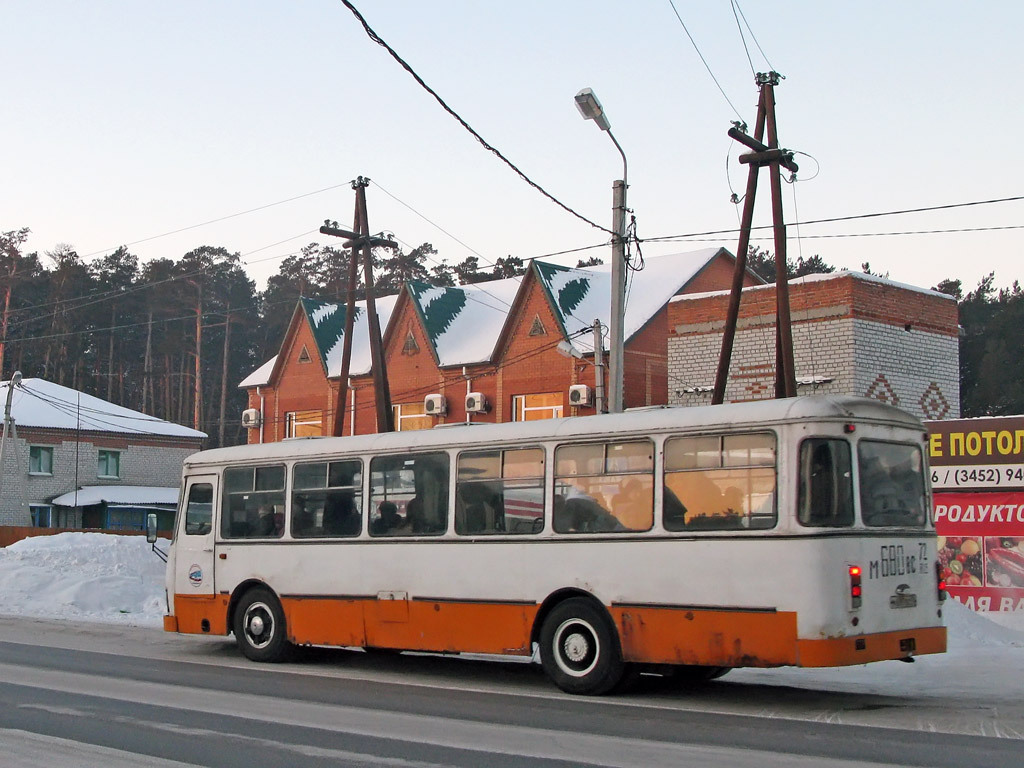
125, 120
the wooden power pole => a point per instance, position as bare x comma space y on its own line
360, 246
772, 156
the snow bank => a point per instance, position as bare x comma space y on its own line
84, 577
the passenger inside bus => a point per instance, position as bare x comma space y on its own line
576, 512
389, 522
341, 518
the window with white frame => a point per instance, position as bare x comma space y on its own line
303, 424
109, 464
40, 460
410, 416
540, 406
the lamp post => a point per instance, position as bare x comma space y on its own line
591, 109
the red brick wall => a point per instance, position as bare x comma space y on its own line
531, 364
645, 370
717, 276
852, 296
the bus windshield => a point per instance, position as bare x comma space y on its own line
891, 484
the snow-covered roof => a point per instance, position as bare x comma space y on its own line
117, 495
464, 323
581, 296
330, 336
260, 377
821, 277
41, 403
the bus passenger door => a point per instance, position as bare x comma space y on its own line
194, 593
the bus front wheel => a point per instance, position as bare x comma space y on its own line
259, 626
579, 648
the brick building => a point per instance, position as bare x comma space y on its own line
498, 340
82, 462
853, 334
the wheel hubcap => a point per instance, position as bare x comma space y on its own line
576, 647
259, 625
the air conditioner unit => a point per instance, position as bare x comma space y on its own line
251, 418
435, 405
581, 394
476, 403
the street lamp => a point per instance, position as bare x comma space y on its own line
591, 109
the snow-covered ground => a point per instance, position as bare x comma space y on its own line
117, 579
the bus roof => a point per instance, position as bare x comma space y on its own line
637, 421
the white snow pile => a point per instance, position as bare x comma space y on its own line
84, 577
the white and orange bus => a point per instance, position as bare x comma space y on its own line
691, 540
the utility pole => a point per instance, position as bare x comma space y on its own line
599, 403
8, 423
360, 245
616, 335
773, 156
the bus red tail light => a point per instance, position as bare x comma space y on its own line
855, 587
940, 581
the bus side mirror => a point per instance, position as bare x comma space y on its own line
151, 528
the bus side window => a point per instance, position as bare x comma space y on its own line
719, 482
604, 487
825, 496
409, 495
327, 499
500, 492
253, 502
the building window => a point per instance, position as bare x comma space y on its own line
536, 407
409, 416
303, 424
109, 464
40, 460
304, 355
40, 515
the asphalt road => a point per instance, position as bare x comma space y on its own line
91, 695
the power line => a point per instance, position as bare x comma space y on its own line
217, 220
704, 61
434, 224
381, 42
854, 217
735, 8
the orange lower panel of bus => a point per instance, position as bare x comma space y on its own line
649, 634
861, 649
724, 638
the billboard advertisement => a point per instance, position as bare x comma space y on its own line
977, 474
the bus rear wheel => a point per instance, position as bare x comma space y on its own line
579, 648
259, 626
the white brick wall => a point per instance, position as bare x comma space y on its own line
917, 370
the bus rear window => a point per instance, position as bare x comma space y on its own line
891, 484
826, 483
